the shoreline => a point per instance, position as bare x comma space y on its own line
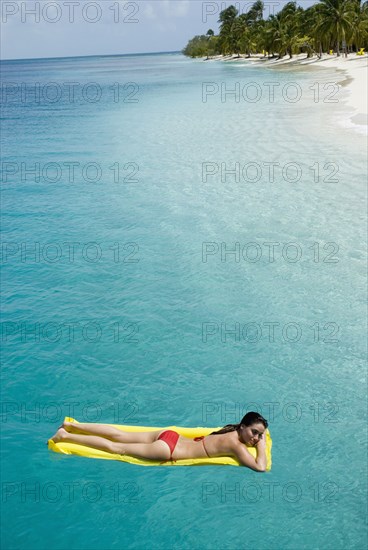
354, 77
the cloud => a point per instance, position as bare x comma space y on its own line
175, 8
149, 12
161, 25
164, 13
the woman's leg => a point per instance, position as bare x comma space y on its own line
157, 450
109, 432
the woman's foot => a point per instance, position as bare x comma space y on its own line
60, 435
66, 425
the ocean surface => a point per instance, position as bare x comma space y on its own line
183, 241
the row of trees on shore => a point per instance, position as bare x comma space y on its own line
337, 25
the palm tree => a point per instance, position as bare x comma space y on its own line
247, 42
290, 20
359, 29
252, 38
273, 35
259, 35
209, 35
311, 20
227, 20
255, 13
325, 25
238, 31
335, 20
282, 31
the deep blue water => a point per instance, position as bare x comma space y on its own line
180, 258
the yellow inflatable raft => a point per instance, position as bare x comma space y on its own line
81, 450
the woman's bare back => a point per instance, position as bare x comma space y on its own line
214, 445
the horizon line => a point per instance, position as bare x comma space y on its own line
92, 55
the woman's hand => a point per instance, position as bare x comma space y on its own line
261, 444
261, 453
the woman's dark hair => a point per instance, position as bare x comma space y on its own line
247, 420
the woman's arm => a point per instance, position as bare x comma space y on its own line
261, 453
246, 459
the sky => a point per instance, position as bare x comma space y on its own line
66, 28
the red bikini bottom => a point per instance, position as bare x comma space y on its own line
171, 438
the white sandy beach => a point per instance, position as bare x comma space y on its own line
356, 71
352, 73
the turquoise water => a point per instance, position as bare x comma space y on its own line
149, 319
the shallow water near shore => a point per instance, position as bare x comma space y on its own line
216, 266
